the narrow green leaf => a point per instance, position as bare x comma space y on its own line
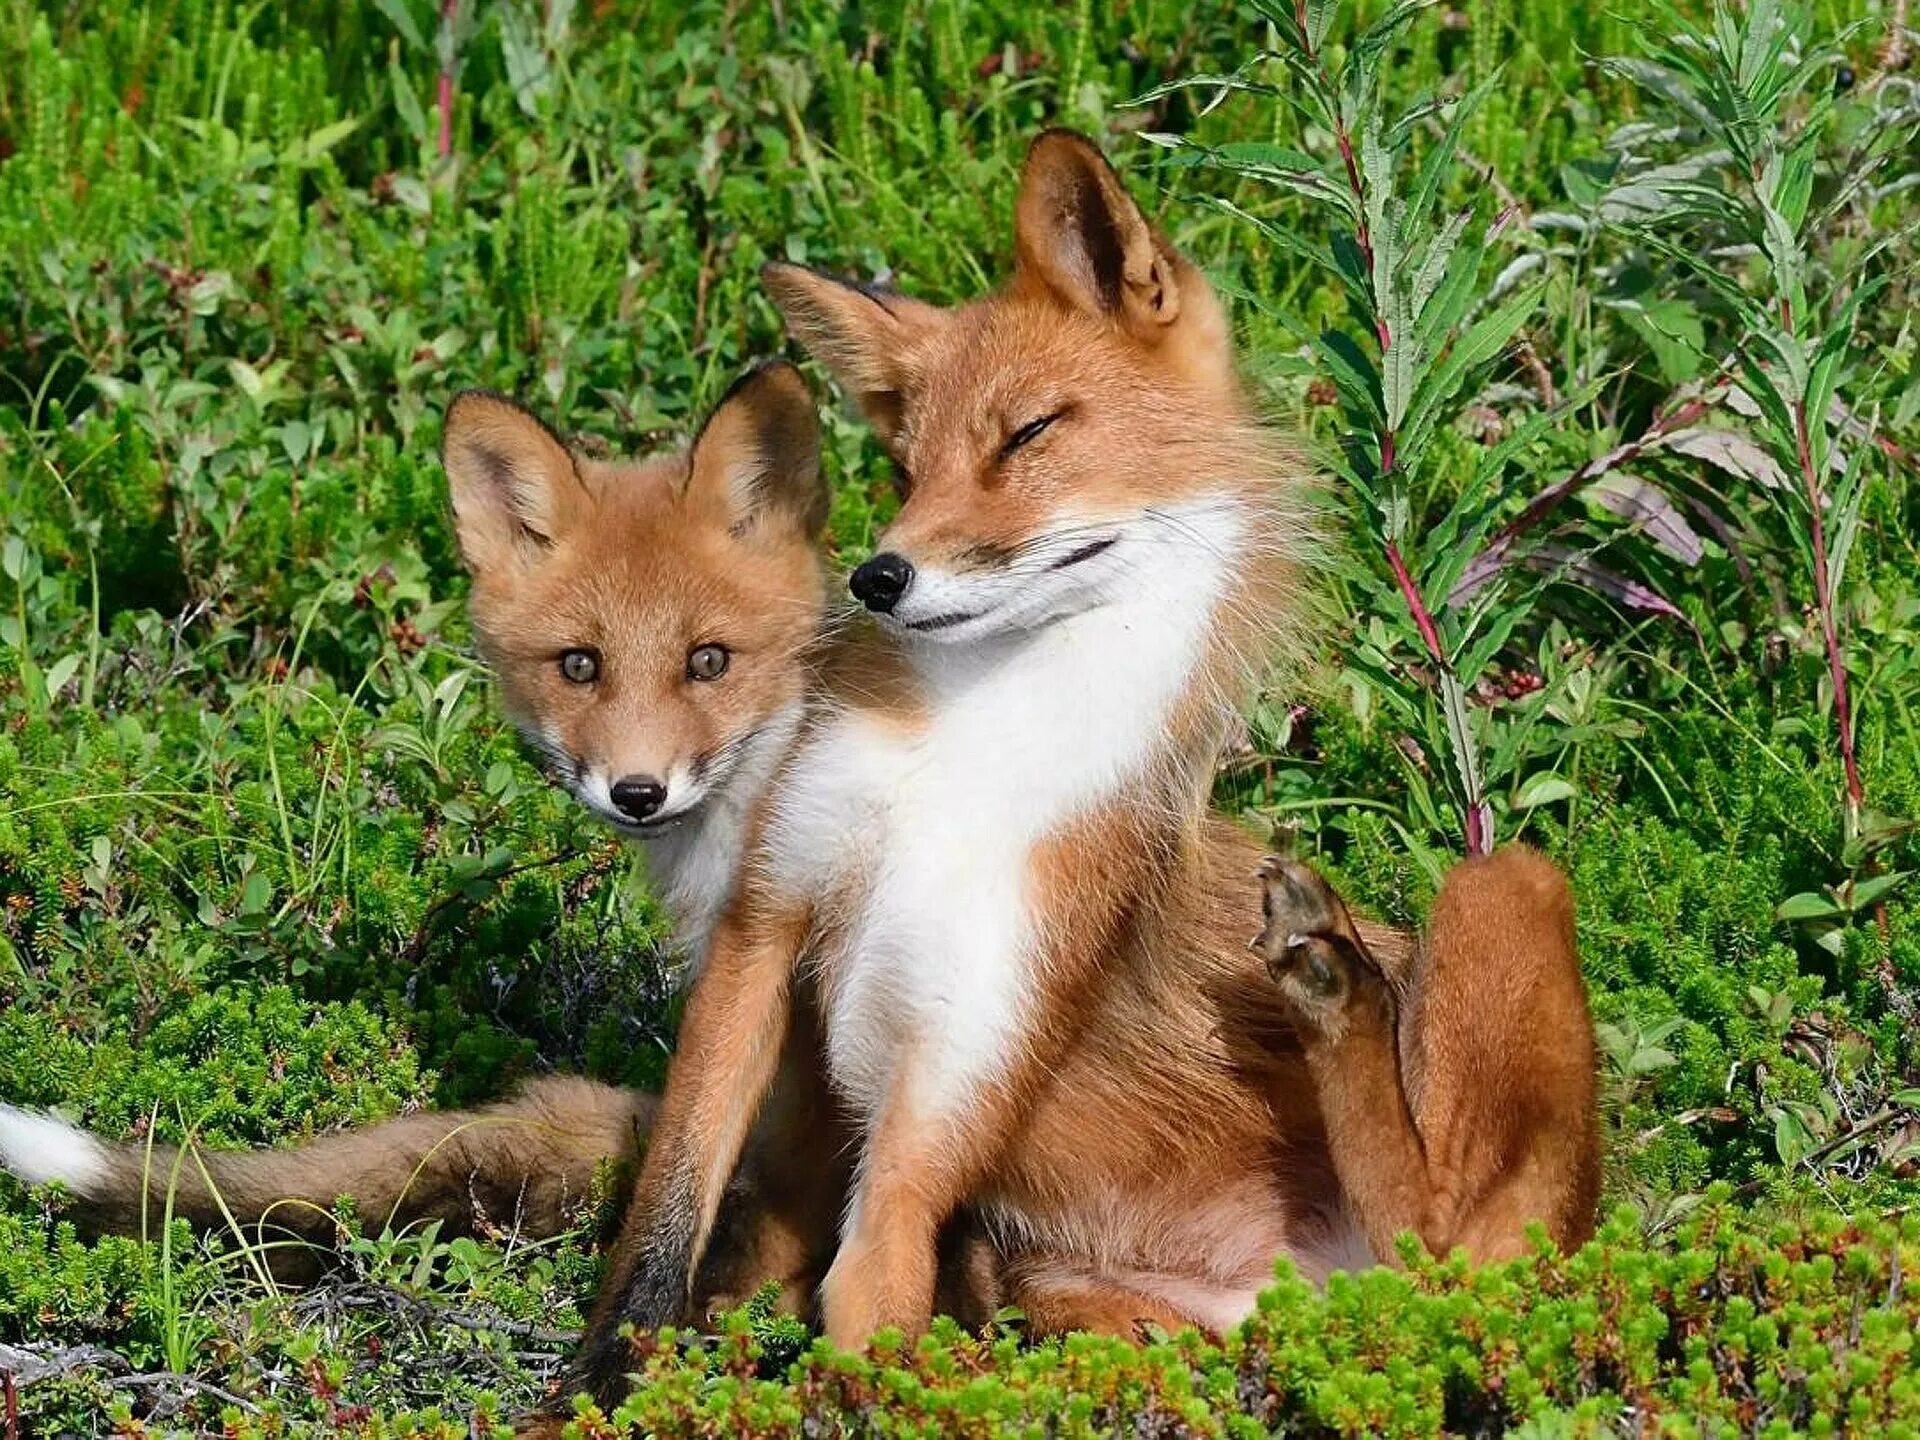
402, 20
1488, 337
407, 102
1849, 501
1352, 374
1451, 298
1438, 162
1863, 893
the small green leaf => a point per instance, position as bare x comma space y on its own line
256, 894
1544, 788
1792, 1141
1808, 905
296, 438
247, 378
60, 672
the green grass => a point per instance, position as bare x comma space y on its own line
270, 861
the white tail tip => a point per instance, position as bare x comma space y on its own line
40, 1148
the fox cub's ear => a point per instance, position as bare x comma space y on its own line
755, 465
861, 333
1078, 231
513, 482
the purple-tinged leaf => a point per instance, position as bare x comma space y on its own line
1729, 451
1728, 537
1560, 562
1479, 572
1647, 507
1484, 566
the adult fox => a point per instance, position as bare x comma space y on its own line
989, 852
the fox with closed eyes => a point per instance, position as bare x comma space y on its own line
987, 875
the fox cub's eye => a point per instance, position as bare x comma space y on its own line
582, 667
1028, 433
707, 662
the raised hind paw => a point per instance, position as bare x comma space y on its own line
1313, 952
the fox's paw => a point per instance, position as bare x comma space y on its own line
1295, 899
1314, 954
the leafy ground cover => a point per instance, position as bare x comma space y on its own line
1610, 355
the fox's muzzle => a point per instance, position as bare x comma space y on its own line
881, 581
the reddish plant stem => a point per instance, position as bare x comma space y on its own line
1362, 236
449, 12
1478, 823
1429, 633
1476, 819
1842, 708
1829, 623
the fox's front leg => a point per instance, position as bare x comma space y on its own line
917, 1170
780, 1221
729, 1046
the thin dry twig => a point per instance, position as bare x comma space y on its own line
1894, 50
387, 1298
25, 1365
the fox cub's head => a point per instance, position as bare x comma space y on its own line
1047, 435
648, 620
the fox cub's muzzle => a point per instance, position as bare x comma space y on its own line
638, 796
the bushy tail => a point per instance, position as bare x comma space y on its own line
522, 1164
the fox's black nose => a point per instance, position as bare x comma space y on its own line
638, 796
881, 582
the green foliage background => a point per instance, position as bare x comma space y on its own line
270, 861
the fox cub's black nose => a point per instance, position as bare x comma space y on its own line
881, 582
638, 796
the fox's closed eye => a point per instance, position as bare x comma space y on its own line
1030, 432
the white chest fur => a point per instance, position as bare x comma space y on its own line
924, 837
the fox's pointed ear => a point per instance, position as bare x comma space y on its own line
513, 482
861, 333
755, 465
1080, 233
